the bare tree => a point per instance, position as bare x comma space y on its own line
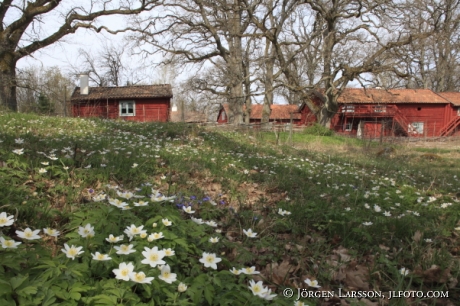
22, 23
50, 84
432, 62
354, 38
203, 31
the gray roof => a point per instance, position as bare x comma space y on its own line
124, 92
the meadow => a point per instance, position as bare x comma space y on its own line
100, 212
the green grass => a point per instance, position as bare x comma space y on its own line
352, 209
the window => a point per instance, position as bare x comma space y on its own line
127, 108
458, 111
416, 127
348, 109
348, 126
380, 109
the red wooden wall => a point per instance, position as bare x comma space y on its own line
146, 109
433, 116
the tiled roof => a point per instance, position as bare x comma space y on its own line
373, 95
189, 117
453, 97
278, 111
124, 92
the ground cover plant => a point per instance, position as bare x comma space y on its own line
100, 212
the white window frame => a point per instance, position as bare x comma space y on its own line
458, 111
125, 104
416, 127
380, 109
348, 126
348, 109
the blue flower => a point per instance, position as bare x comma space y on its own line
192, 197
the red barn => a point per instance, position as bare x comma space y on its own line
137, 103
394, 112
280, 113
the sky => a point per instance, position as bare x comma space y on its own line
65, 53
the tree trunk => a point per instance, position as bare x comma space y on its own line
268, 97
8, 82
235, 66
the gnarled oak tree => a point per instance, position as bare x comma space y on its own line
25, 28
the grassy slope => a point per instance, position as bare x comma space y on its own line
358, 216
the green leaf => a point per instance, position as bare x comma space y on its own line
17, 281
4, 302
27, 291
209, 293
5, 288
49, 298
75, 295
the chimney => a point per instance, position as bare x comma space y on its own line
84, 84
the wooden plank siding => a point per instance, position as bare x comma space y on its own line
151, 102
433, 117
394, 112
146, 109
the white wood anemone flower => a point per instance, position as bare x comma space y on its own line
140, 278
100, 257
9, 244
51, 232
153, 257
210, 260
250, 233
166, 275
123, 271
28, 234
87, 231
72, 252
312, 283
125, 249
6, 220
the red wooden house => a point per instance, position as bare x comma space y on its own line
393, 112
136, 103
280, 113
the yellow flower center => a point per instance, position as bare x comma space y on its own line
154, 257
3, 220
9, 243
124, 272
139, 277
124, 248
210, 259
28, 234
72, 251
100, 256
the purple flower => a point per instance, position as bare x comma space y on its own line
192, 197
